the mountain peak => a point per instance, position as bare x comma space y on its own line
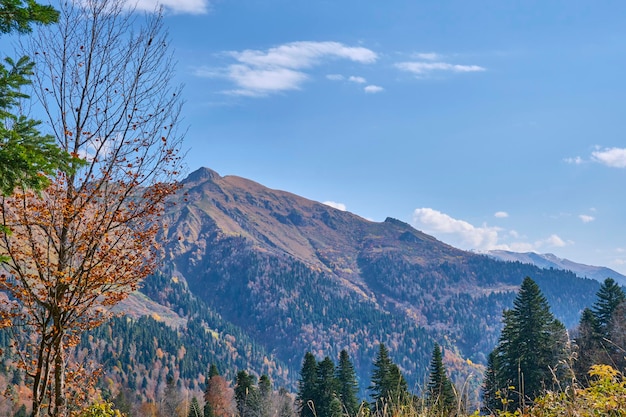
201, 175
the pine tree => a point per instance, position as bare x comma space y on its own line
610, 295
600, 331
265, 396
380, 376
532, 346
213, 370
307, 386
388, 386
246, 395
326, 387
588, 346
194, 408
490, 387
440, 393
347, 386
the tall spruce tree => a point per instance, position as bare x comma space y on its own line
307, 386
347, 384
490, 387
600, 336
388, 386
326, 388
265, 396
532, 346
380, 377
588, 346
194, 408
440, 393
246, 395
610, 295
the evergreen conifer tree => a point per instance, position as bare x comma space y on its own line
532, 346
326, 387
265, 396
246, 395
307, 386
347, 386
440, 393
380, 377
490, 387
610, 295
588, 346
194, 408
213, 370
600, 331
388, 386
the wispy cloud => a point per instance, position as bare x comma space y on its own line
358, 80
373, 89
428, 56
586, 218
174, 6
471, 236
577, 160
338, 206
465, 235
501, 214
611, 157
282, 68
422, 69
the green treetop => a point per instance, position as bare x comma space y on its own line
27, 157
440, 393
387, 384
610, 295
347, 385
307, 385
531, 348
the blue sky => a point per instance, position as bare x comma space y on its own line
488, 124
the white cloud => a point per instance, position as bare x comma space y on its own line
501, 214
175, 6
470, 236
576, 160
338, 206
373, 89
428, 56
358, 80
611, 157
298, 55
258, 82
282, 68
425, 68
553, 240
464, 235
586, 218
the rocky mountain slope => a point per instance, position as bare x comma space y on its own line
253, 278
298, 275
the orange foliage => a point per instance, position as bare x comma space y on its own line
84, 243
220, 396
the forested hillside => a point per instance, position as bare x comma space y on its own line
297, 275
253, 278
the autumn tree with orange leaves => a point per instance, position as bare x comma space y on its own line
103, 76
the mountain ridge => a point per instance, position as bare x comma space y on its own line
549, 260
299, 275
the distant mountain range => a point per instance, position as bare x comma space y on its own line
549, 260
253, 278
296, 275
